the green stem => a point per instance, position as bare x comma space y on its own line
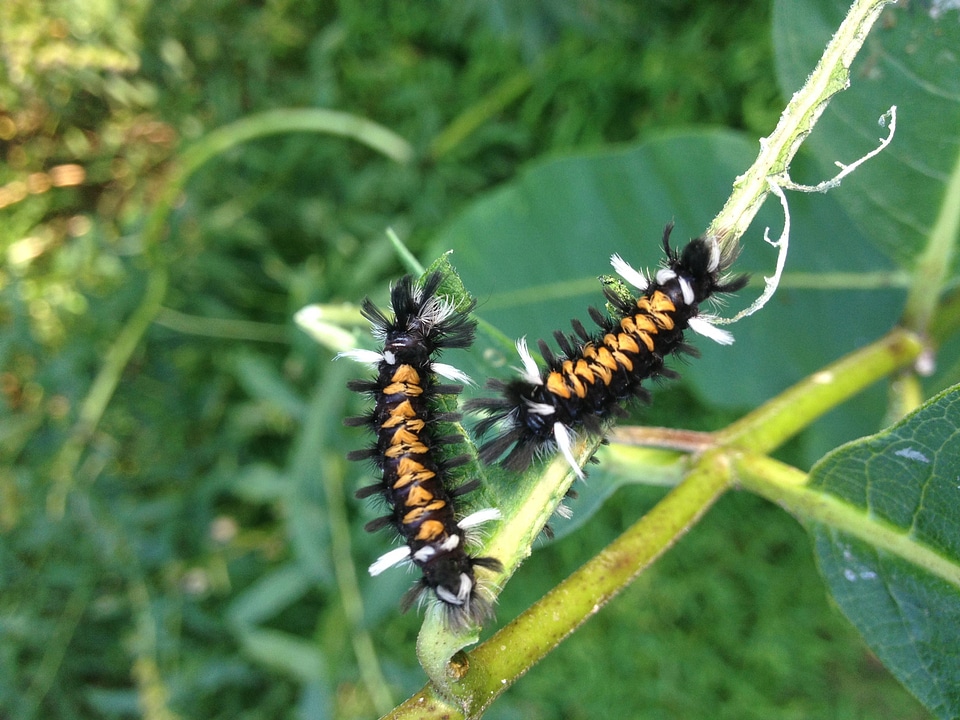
524, 517
497, 663
55, 650
905, 395
831, 75
933, 266
349, 589
287, 120
479, 113
224, 328
770, 425
427, 704
98, 397
787, 487
408, 259
272, 122
946, 321
829, 281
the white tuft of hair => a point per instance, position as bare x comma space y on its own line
703, 326
530, 371
565, 444
389, 559
629, 273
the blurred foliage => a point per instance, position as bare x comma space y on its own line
198, 567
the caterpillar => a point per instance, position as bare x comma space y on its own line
598, 374
415, 482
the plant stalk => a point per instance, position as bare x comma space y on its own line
479, 678
830, 76
770, 425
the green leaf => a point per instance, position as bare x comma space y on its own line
904, 595
259, 377
284, 652
308, 519
910, 60
269, 595
259, 482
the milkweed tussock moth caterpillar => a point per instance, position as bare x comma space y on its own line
597, 374
415, 483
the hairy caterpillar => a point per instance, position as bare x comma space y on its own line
597, 374
405, 418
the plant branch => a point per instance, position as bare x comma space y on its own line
770, 425
224, 328
95, 402
345, 572
933, 266
831, 75
497, 663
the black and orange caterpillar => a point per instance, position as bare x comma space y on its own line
405, 419
596, 375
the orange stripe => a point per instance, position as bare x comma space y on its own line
628, 344
403, 412
403, 389
412, 449
407, 374
605, 358
402, 435
557, 386
624, 361
418, 496
417, 513
431, 530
